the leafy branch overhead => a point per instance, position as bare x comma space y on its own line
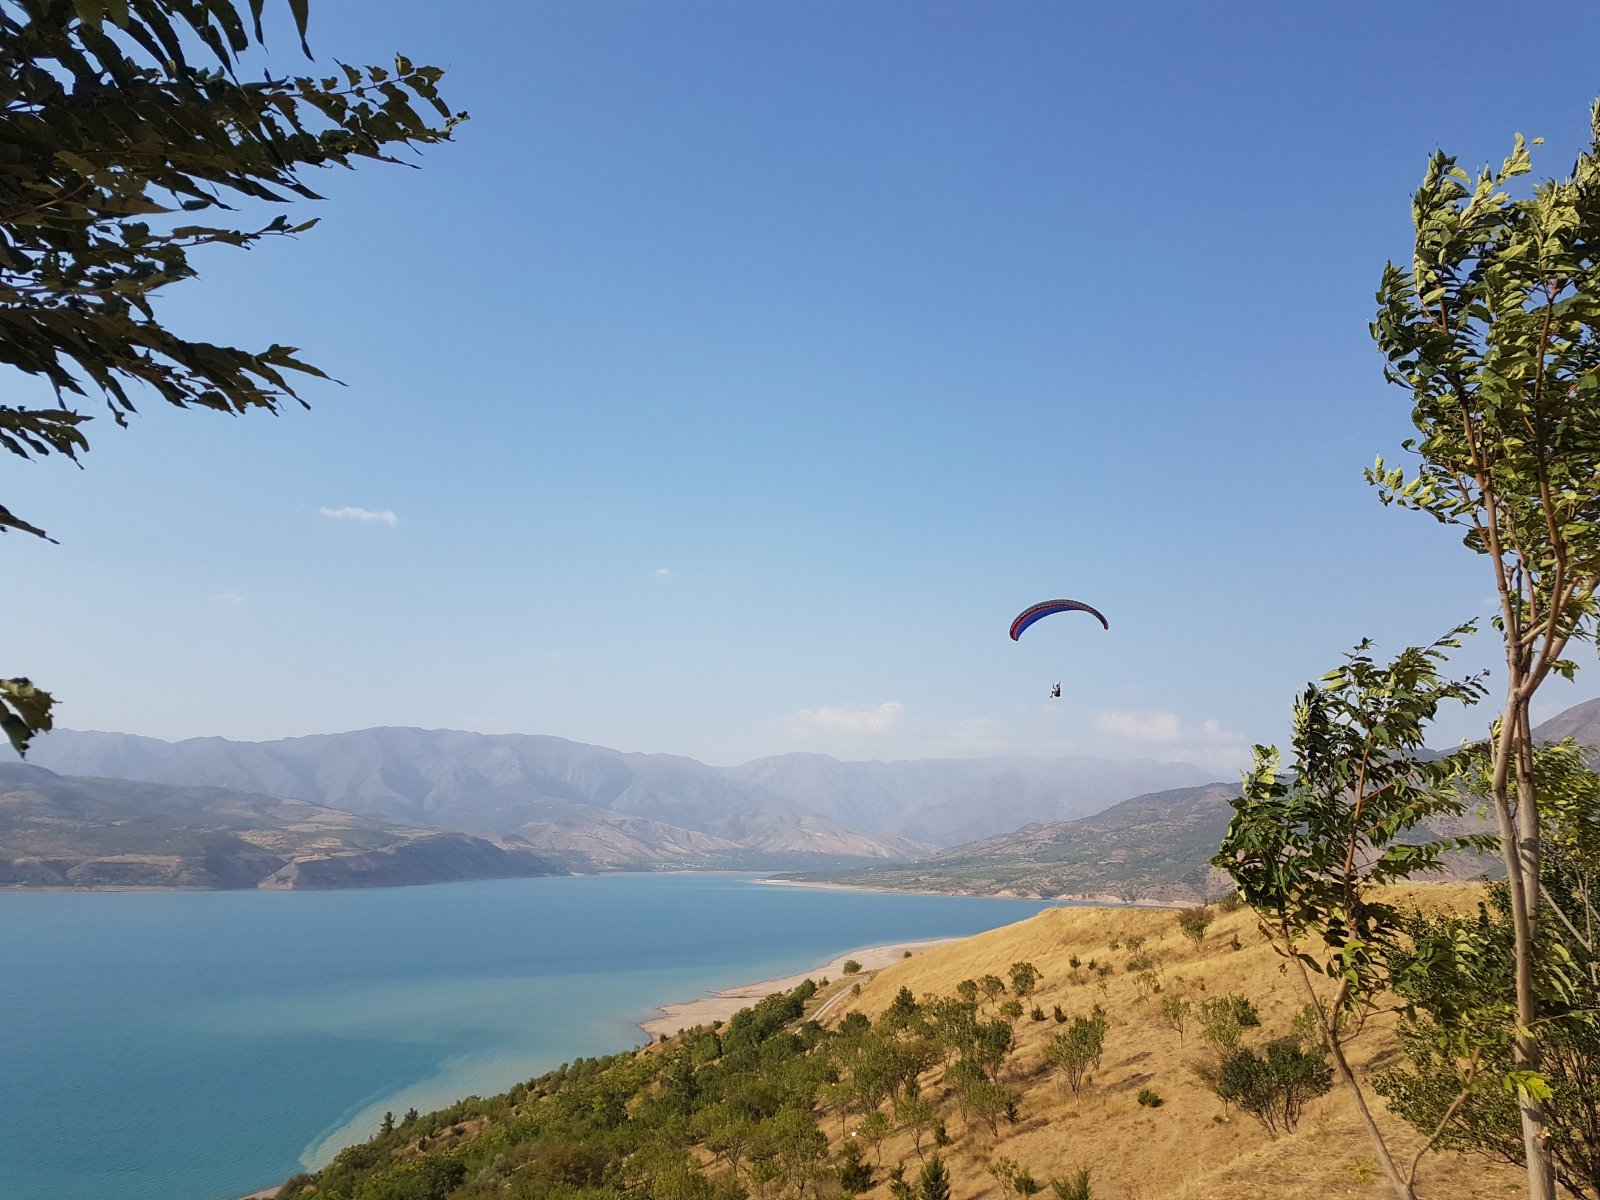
128, 139
123, 120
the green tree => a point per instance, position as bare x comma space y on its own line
1492, 334
1459, 986
933, 1182
1274, 1087
992, 986
1024, 978
1306, 847
124, 120
1005, 1171
990, 1102
916, 1115
388, 1124
1078, 1049
1073, 1187
875, 1126
1194, 922
855, 1176
1175, 1013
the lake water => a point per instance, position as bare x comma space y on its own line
198, 1045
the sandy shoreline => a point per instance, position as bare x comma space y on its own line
724, 1004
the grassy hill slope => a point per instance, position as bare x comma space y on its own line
646, 1122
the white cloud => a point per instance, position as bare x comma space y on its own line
1213, 731
230, 597
849, 720
372, 516
664, 572
1139, 726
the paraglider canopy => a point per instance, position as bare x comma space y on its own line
1049, 607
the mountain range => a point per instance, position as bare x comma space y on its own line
1153, 847
587, 807
400, 805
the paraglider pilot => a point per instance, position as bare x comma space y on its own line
1055, 692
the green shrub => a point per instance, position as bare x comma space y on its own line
1274, 1087
852, 967
1074, 1187
1150, 1098
1194, 922
1037, 1014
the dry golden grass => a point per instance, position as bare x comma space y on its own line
1187, 1149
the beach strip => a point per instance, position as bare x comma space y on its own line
677, 1017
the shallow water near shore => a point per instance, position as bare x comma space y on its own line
194, 1046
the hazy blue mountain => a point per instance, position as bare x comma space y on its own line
951, 801
607, 808
629, 809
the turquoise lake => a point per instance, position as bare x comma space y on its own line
200, 1045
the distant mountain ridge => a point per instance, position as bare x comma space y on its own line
947, 802
605, 809
1152, 847
63, 831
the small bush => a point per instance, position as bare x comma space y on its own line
852, 967
1231, 903
1274, 1088
1074, 1187
1194, 922
1074, 962
1061, 1017
1133, 944
1150, 1098
1037, 1014
906, 954
1011, 1009
1235, 944
855, 989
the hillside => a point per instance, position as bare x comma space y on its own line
60, 831
682, 1111
1151, 847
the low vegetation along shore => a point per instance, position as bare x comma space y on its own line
1080, 1052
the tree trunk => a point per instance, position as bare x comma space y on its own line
1511, 763
1330, 1038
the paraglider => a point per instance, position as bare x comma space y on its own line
1047, 608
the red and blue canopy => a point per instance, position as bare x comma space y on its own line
1048, 608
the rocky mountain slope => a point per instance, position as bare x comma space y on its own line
61, 831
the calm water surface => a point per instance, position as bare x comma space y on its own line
194, 1046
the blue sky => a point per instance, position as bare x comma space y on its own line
742, 369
